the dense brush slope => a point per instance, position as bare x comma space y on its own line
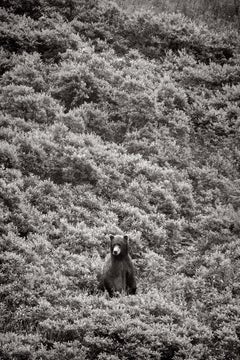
117, 123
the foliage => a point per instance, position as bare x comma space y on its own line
117, 122
215, 13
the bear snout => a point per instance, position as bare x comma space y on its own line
116, 250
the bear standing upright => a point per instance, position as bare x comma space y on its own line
118, 271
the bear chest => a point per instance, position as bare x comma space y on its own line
119, 274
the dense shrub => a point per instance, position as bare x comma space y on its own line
112, 122
215, 13
21, 101
50, 36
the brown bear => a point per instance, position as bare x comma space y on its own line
118, 271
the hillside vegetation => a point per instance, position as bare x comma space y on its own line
112, 122
214, 12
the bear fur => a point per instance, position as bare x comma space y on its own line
118, 271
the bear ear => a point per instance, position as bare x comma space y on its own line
125, 237
111, 237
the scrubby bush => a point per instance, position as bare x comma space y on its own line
112, 122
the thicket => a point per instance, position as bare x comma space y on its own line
112, 122
214, 12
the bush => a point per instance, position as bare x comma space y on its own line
22, 101
123, 123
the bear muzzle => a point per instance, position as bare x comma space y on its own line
116, 250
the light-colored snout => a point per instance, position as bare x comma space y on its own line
116, 250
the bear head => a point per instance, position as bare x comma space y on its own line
119, 245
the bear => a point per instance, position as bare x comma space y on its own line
118, 271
